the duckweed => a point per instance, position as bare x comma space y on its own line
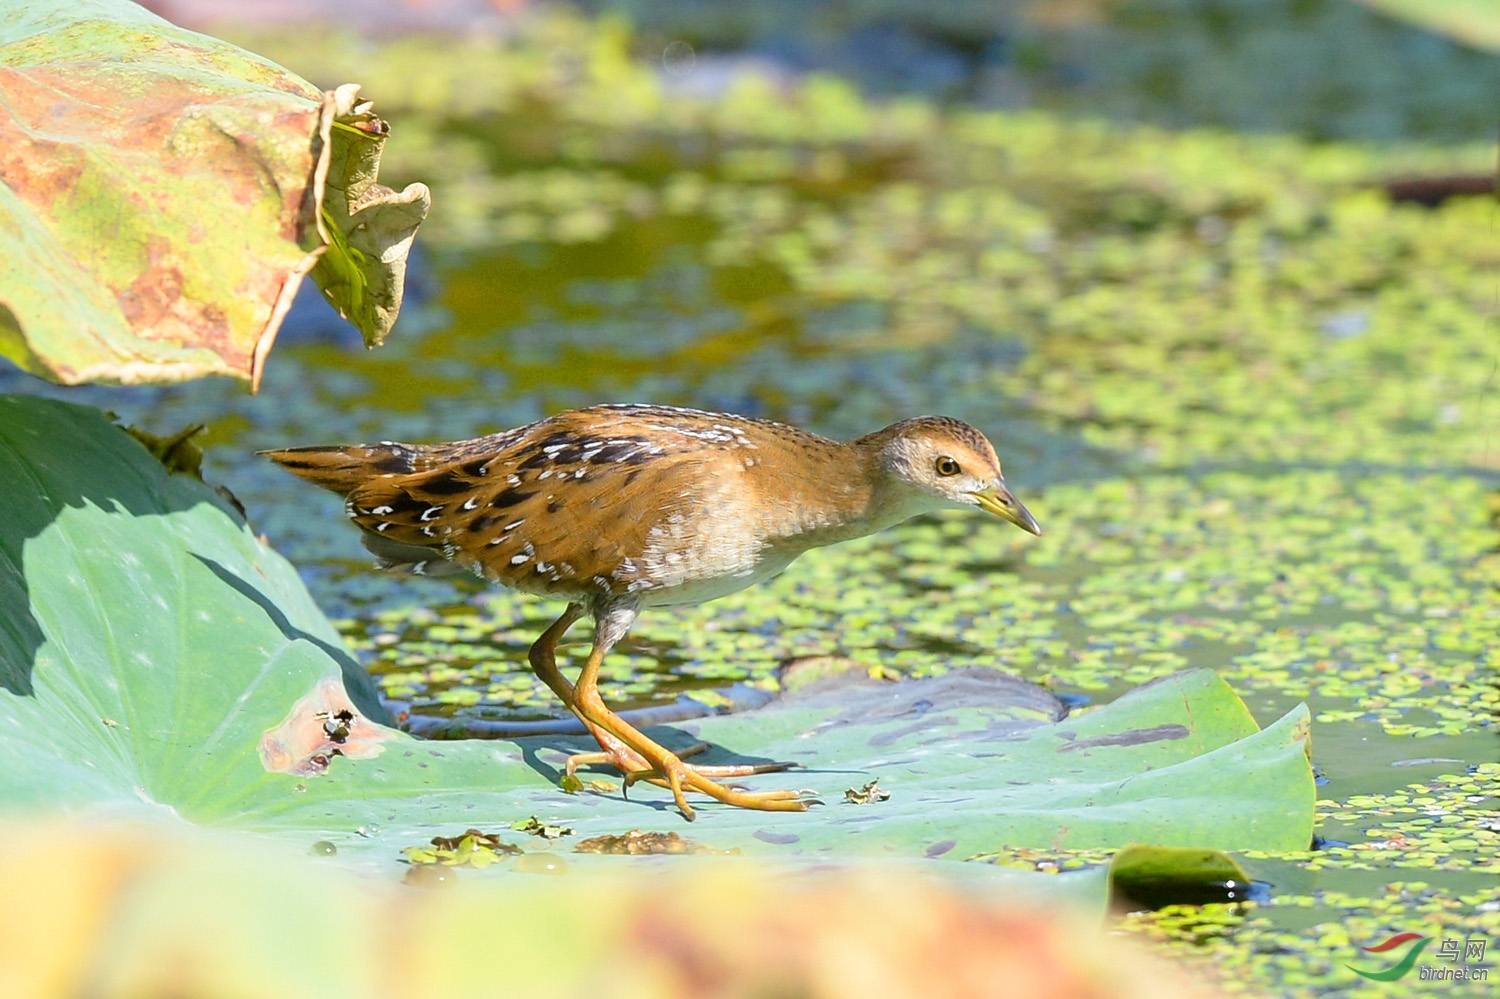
469, 849
1370, 595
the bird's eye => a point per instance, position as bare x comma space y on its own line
947, 466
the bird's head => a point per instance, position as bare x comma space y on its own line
935, 462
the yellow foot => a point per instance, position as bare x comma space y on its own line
679, 775
670, 772
629, 762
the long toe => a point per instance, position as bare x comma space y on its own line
612, 752
739, 769
635, 768
779, 800
699, 779
731, 769
717, 773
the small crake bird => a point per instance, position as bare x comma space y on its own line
618, 508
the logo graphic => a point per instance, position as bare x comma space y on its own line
1400, 968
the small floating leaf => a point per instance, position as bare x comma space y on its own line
535, 827
871, 792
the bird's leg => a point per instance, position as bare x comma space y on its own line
590, 707
662, 765
543, 654
543, 657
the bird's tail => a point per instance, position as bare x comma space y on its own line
344, 469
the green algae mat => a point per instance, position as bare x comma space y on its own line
160, 655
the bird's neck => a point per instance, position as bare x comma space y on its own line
845, 501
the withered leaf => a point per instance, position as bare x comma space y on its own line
472, 848
869, 794
637, 842
536, 827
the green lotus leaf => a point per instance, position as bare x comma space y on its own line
1473, 22
162, 194
1152, 876
157, 656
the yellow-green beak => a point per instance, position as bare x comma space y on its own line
998, 500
